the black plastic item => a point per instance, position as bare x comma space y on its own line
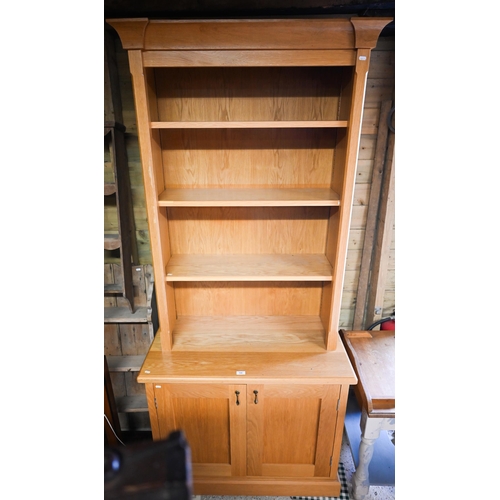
152, 470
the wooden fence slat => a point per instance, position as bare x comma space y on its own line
382, 247
371, 218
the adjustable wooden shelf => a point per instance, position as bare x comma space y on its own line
249, 135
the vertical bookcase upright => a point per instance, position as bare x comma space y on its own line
249, 134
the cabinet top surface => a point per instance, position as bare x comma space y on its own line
241, 367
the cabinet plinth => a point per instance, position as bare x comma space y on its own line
249, 135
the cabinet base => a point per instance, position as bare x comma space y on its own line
266, 486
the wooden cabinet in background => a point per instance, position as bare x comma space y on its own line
127, 338
249, 135
120, 244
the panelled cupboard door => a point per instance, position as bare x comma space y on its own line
213, 419
290, 429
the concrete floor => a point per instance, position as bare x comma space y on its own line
376, 492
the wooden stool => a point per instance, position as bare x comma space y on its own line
372, 357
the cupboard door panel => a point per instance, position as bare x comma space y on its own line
212, 422
290, 430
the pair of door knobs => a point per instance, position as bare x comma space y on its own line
255, 399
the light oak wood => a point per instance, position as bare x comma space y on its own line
250, 230
212, 422
368, 30
270, 448
250, 157
241, 298
262, 416
242, 58
198, 366
248, 267
153, 185
339, 428
267, 486
252, 124
249, 334
246, 197
343, 180
273, 97
249, 34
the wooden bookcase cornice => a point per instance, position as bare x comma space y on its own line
286, 34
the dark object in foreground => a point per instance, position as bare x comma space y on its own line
159, 470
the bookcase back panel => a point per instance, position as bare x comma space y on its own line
239, 230
234, 94
269, 158
242, 298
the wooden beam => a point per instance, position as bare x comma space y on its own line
371, 222
112, 96
382, 245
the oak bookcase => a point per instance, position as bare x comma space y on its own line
249, 135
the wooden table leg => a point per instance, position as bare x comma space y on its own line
370, 431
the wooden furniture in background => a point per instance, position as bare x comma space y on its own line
120, 241
127, 338
373, 357
249, 134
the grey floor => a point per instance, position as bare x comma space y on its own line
376, 492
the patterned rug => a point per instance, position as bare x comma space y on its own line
344, 492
